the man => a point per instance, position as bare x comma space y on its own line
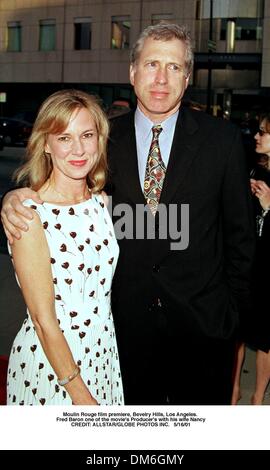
176, 305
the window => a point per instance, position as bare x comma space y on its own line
82, 33
164, 18
245, 29
198, 10
47, 35
14, 36
120, 32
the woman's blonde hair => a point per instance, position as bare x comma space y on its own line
53, 118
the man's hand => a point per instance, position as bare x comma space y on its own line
14, 213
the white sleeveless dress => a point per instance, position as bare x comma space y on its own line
84, 253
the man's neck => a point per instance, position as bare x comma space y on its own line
157, 118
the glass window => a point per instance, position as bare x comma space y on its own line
245, 29
259, 32
14, 36
223, 29
82, 33
198, 9
120, 32
165, 18
47, 35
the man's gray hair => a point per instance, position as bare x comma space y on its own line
164, 32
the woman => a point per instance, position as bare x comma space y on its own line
258, 332
66, 351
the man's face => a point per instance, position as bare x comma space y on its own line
159, 77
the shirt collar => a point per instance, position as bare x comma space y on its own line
144, 125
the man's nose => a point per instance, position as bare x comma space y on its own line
161, 75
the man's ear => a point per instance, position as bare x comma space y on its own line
131, 73
187, 81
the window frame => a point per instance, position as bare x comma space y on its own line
80, 33
14, 35
46, 25
119, 22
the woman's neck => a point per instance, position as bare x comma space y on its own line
54, 191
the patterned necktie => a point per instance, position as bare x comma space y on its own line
155, 172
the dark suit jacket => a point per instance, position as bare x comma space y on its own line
206, 286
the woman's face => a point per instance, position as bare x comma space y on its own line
74, 152
263, 138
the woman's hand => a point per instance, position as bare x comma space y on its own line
14, 213
90, 402
79, 392
262, 192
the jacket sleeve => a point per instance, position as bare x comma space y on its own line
239, 225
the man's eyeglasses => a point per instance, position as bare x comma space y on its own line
262, 132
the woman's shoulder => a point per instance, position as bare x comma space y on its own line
39, 211
32, 204
35, 226
105, 198
102, 198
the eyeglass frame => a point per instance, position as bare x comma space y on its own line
262, 132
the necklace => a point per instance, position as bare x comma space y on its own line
69, 199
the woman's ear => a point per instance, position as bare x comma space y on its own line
47, 148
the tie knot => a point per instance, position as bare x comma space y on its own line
156, 130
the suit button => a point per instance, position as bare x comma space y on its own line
156, 268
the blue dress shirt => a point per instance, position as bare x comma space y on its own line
143, 130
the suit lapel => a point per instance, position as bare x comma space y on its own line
128, 162
184, 150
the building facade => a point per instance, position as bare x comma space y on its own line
49, 44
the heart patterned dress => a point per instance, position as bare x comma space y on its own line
84, 253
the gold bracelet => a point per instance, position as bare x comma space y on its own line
68, 379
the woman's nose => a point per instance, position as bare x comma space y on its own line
77, 147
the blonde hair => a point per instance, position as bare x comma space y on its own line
53, 118
165, 32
